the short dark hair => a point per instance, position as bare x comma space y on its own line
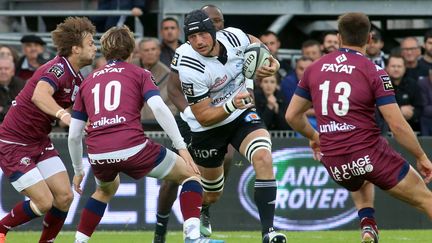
427, 35
117, 43
170, 19
309, 43
354, 28
325, 34
303, 59
395, 55
269, 32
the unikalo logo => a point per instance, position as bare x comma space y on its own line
307, 197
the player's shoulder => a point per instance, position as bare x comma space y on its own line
57, 66
236, 37
186, 59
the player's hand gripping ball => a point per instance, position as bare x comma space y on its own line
256, 55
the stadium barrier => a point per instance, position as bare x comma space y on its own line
307, 197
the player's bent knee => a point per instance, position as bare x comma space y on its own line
259, 149
64, 200
40, 207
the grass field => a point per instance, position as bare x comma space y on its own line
386, 236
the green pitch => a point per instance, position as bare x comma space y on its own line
386, 236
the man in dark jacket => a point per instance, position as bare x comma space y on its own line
10, 85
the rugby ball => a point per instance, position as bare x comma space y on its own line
255, 56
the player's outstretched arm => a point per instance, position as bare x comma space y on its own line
76, 150
166, 120
405, 136
296, 117
42, 98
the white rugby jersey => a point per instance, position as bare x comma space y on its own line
203, 77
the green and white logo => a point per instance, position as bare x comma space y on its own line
307, 197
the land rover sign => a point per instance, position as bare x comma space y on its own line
307, 199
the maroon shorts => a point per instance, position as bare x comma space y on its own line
16, 160
136, 166
379, 164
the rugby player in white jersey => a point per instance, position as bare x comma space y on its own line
220, 111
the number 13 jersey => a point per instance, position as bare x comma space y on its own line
345, 88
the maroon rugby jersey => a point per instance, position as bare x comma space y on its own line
25, 122
111, 99
345, 87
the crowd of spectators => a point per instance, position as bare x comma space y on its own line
409, 67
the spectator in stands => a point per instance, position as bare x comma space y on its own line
170, 33
289, 83
425, 62
149, 52
32, 47
103, 23
311, 49
9, 52
407, 92
10, 85
271, 40
271, 104
425, 85
374, 49
411, 51
330, 42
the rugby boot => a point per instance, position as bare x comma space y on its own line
203, 240
2, 238
369, 230
369, 234
205, 226
159, 238
274, 237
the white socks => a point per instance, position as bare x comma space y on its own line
81, 238
191, 228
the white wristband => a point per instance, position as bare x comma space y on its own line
64, 114
58, 112
229, 106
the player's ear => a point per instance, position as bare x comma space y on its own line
75, 49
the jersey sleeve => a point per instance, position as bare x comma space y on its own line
303, 89
79, 110
149, 88
55, 76
381, 85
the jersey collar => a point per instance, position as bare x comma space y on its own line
350, 51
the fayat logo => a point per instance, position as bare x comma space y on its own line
307, 199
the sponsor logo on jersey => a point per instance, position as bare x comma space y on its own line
387, 84
103, 121
357, 167
337, 68
336, 127
188, 89
341, 58
174, 61
307, 198
57, 70
219, 81
107, 70
25, 161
